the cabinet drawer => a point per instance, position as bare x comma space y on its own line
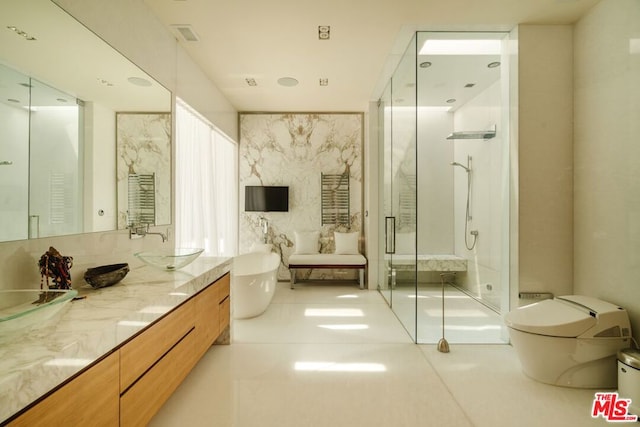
91, 399
207, 322
225, 314
144, 350
141, 402
224, 287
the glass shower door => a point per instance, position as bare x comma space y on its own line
400, 192
387, 281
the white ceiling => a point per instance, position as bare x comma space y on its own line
269, 39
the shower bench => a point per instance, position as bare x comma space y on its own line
429, 262
329, 261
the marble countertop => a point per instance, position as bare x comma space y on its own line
87, 329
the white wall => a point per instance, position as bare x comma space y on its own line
436, 219
607, 155
484, 261
100, 167
545, 158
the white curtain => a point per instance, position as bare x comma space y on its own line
206, 185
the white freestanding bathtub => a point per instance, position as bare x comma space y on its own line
253, 283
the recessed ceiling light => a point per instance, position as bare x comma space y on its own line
287, 81
61, 100
139, 81
425, 64
19, 32
324, 32
470, 85
493, 64
451, 100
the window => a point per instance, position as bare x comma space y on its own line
206, 185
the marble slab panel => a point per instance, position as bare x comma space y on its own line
294, 149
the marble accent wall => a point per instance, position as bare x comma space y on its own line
294, 149
144, 147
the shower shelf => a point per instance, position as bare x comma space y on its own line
481, 134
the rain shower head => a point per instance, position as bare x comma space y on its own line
461, 165
481, 134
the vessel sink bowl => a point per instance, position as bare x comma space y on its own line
22, 309
170, 259
106, 275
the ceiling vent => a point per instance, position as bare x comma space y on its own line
185, 32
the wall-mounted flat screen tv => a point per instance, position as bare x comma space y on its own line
259, 198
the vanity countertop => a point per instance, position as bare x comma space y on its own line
33, 364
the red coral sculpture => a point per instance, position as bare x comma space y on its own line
55, 266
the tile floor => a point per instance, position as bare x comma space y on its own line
333, 355
467, 321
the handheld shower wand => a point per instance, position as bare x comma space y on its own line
474, 233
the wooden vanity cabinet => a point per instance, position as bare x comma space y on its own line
130, 385
141, 402
143, 351
212, 313
154, 363
224, 301
90, 399
207, 319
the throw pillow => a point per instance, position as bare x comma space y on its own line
307, 242
346, 243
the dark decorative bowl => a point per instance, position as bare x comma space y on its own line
106, 275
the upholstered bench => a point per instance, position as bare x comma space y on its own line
337, 261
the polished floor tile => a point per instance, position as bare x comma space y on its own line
322, 313
466, 320
333, 355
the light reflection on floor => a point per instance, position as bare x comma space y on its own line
467, 321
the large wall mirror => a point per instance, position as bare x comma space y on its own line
85, 133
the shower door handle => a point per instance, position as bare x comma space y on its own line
390, 235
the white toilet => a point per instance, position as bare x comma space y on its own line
570, 341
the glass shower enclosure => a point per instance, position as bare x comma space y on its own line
444, 149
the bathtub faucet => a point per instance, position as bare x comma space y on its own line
264, 225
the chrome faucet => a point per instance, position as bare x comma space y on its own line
142, 230
164, 236
264, 224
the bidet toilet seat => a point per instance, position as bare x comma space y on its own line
570, 316
551, 317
